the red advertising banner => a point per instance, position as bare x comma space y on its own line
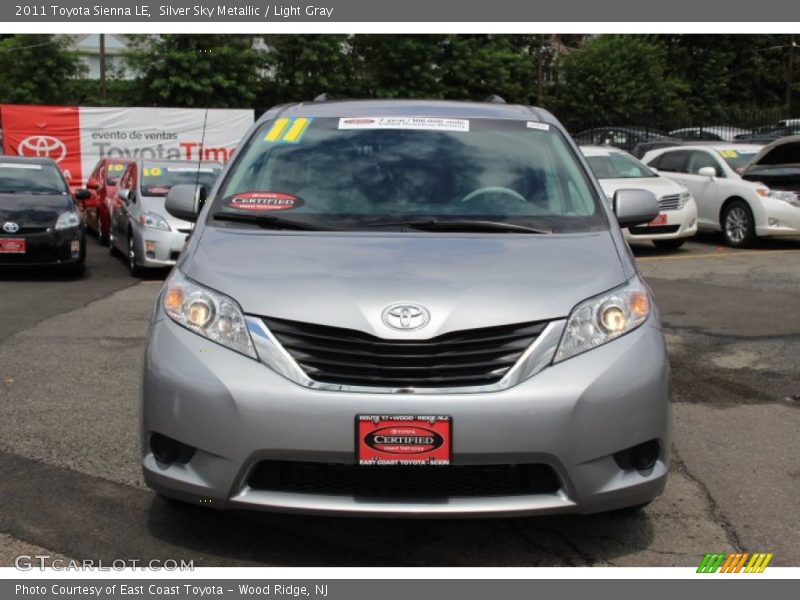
47, 131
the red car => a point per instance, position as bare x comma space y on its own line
102, 185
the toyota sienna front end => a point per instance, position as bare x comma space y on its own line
407, 308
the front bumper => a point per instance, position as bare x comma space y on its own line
158, 248
680, 223
46, 248
779, 219
572, 417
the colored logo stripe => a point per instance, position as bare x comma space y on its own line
734, 563
289, 131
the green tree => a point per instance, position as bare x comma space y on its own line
220, 71
620, 79
37, 69
303, 66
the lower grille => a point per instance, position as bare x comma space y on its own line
458, 359
653, 230
670, 202
452, 481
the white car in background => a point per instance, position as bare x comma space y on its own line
742, 210
616, 170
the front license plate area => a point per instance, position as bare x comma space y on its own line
404, 440
13, 246
659, 220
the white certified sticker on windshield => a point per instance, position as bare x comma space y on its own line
20, 166
417, 123
537, 125
189, 170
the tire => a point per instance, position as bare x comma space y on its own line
103, 239
738, 226
76, 270
112, 249
133, 267
672, 244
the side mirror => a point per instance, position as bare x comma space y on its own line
123, 195
635, 207
82, 195
184, 201
709, 172
93, 184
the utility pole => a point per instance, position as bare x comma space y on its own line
540, 90
103, 67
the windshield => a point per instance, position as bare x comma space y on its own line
28, 178
114, 172
362, 172
158, 179
736, 159
618, 166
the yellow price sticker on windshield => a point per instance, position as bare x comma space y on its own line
151, 172
115, 167
728, 153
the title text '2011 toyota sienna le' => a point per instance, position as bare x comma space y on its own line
407, 308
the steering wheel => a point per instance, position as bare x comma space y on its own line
494, 189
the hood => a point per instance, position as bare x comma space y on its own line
660, 186
156, 204
778, 165
347, 279
33, 210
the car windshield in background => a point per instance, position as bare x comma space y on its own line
114, 172
158, 179
618, 166
737, 160
29, 178
444, 173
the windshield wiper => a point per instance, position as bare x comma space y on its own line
268, 221
463, 225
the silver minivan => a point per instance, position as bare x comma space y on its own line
407, 308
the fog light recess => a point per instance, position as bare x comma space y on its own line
641, 457
168, 451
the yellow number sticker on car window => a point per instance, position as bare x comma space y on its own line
151, 172
728, 153
117, 167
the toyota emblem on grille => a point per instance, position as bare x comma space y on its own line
406, 316
43, 145
10, 227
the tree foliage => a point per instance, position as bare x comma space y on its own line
37, 69
221, 71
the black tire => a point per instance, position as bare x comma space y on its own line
112, 249
672, 244
76, 270
102, 239
133, 267
738, 225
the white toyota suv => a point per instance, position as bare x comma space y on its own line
742, 210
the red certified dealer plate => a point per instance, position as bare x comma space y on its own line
659, 220
13, 246
390, 440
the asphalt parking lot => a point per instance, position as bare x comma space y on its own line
70, 355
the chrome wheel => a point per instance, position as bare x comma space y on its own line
737, 224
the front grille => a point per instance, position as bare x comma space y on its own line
349, 357
671, 202
654, 229
403, 482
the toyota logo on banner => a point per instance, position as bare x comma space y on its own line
45, 146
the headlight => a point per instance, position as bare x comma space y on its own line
207, 313
67, 220
154, 221
683, 199
603, 318
788, 197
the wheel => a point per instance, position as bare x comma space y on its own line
672, 244
76, 270
738, 227
112, 249
133, 266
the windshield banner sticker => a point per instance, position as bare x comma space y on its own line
288, 131
20, 166
263, 201
416, 123
537, 125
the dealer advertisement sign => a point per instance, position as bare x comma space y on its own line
77, 137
